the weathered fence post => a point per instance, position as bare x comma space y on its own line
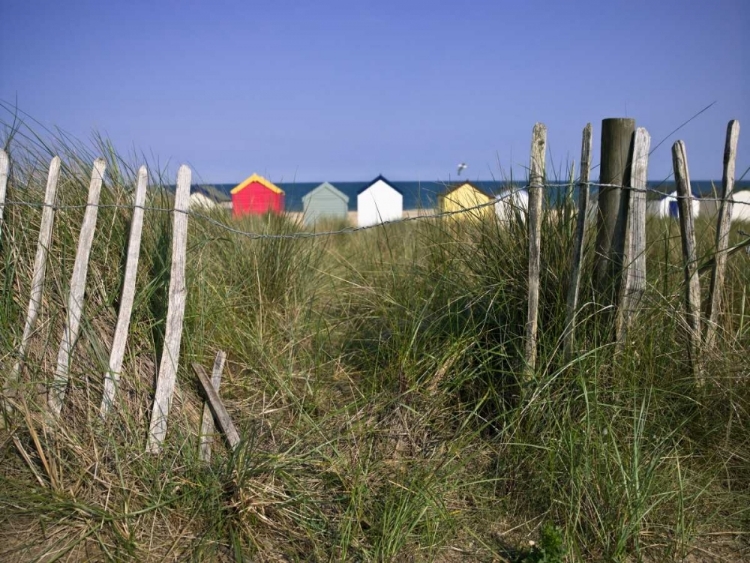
687, 230
633, 283
207, 421
77, 290
175, 315
616, 156
40, 265
536, 181
4, 169
217, 408
722, 231
112, 377
584, 190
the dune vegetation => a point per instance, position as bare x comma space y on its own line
376, 380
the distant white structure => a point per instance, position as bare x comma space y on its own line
201, 201
378, 202
511, 201
741, 207
668, 206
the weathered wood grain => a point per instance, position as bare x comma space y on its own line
536, 180
207, 421
4, 169
221, 416
40, 265
112, 377
175, 314
56, 395
687, 232
633, 283
722, 231
584, 191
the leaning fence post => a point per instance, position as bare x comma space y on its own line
4, 169
722, 230
77, 290
112, 377
616, 147
633, 283
584, 190
687, 230
207, 421
40, 265
536, 180
175, 315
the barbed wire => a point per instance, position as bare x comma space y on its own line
506, 195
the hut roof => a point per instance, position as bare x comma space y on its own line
328, 187
260, 180
453, 187
375, 181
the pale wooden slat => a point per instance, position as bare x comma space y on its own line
4, 169
687, 231
207, 421
221, 416
634, 252
584, 191
112, 377
536, 179
175, 314
40, 266
722, 230
56, 395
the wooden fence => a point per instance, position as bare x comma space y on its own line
625, 249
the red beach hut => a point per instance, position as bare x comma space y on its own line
256, 196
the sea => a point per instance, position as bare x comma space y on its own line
423, 195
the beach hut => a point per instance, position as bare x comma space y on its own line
256, 196
668, 207
510, 202
201, 200
325, 201
379, 201
741, 207
464, 196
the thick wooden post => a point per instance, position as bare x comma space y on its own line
616, 158
4, 169
77, 290
536, 181
634, 254
584, 190
175, 315
722, 230
40, 266
112, 377
207, 422
687, 231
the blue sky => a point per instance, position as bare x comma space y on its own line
348, 90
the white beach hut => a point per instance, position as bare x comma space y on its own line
378, 202
668, 206
511, 201
741, 207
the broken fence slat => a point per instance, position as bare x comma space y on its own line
221, 416
77, 292
207, 421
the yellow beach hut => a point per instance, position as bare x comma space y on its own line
465, 196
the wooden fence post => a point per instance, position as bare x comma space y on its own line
536, 181
56, 394
616, 156
217, 408
40, 266
687, 230
722, 231
207, 421
633, 283
4, 169
112, 377
584, 190
175, 315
